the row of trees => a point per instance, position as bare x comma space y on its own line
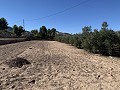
104, 41
44, 33
4, 28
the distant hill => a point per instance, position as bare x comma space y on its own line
61, 33
9, 29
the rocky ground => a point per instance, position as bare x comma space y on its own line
50, 65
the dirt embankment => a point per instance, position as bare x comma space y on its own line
4, 41
50, 65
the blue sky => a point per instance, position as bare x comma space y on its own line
92, 12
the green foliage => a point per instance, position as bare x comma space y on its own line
108, 41
36, 34
77, 40
70, 39
104, 25
3, 24
87, 29
18, 30
47, 33
3, 31
43, 32
105, 41
51, 33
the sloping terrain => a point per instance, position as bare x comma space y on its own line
50, 65
4, 41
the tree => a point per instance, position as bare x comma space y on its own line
48, 33
85, 38
43, 32
109, 41
71, 40
36, 34
104, 25
87, 29
53, 32
15, 29
3, 24
18, 30
77, 40
95, 41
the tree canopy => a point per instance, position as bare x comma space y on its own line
3, 24
18, 30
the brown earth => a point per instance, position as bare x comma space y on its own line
4, 41
50, 65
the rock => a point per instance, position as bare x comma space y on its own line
13, 86
3, 68
33, 82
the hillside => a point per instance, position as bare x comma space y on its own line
51, 65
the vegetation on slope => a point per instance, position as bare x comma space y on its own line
104, 41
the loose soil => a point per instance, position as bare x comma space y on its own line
51, 65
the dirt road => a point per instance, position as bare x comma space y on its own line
56, 66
